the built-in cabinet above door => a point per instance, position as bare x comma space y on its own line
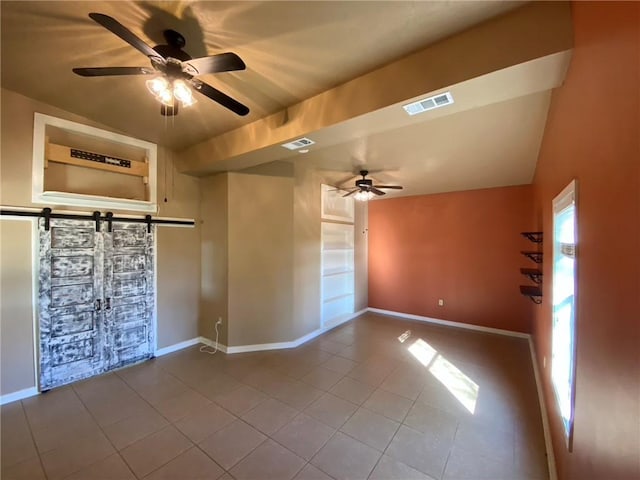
96, 298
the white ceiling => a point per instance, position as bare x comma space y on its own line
293, 50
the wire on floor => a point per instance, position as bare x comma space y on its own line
204, 348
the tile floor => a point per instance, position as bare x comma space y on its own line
377, 398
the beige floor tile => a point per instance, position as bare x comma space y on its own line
464, 465
106, 412
502, 437
53, 407
309, 472
130, 430
419, 450
102, 387
329, 346
231, 444
487, 441
331, 410
175, 408
26, 470
111, 468
403, 384
390, 469
428, 419
16, 442
57, 434
346, 458
190, 465
298, 394
74, 456
322, 378
218, 385
200, 424
352, 390
370, 374
166, 388
388, 404
304, 436
339, 365
269, 461
241, 399
370, 428
269, 416
295, 370
150, 453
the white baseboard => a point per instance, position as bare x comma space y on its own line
210, 343
176, 346
448, 323
551, 459
19, 395
298, 341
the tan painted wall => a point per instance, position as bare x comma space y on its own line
361, 255
306, 251
178, 256
16, 294
214, 247
260, 259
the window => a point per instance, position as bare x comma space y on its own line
563, 345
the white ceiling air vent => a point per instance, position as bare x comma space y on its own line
429, 103
299, 143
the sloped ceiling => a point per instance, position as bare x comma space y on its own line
295, 52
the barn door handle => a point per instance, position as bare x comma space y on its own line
107, 305
98, 305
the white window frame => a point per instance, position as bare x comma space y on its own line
565, 199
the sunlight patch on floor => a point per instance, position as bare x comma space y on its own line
460, 385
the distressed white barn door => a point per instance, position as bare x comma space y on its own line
128, 291
95, 299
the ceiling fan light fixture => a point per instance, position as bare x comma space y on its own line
183, 93
157, 86
364, 196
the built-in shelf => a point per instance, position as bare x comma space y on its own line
535, 237
336, 273
534, 274
532, 255
337, 297
533, 292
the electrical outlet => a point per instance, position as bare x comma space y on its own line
441, 302
219, 322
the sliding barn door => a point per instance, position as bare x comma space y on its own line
71, 328
128, 290
96, 299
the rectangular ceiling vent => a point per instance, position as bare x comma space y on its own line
430, 103
299, 143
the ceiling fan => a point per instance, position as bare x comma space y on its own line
366, 190
174, 69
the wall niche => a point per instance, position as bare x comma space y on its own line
82, 166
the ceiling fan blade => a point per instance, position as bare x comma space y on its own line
376, 191
351, 192
217, 96
124, 33
224, 62
107, 71
395, 187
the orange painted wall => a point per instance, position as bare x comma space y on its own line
463, 247
592, 134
